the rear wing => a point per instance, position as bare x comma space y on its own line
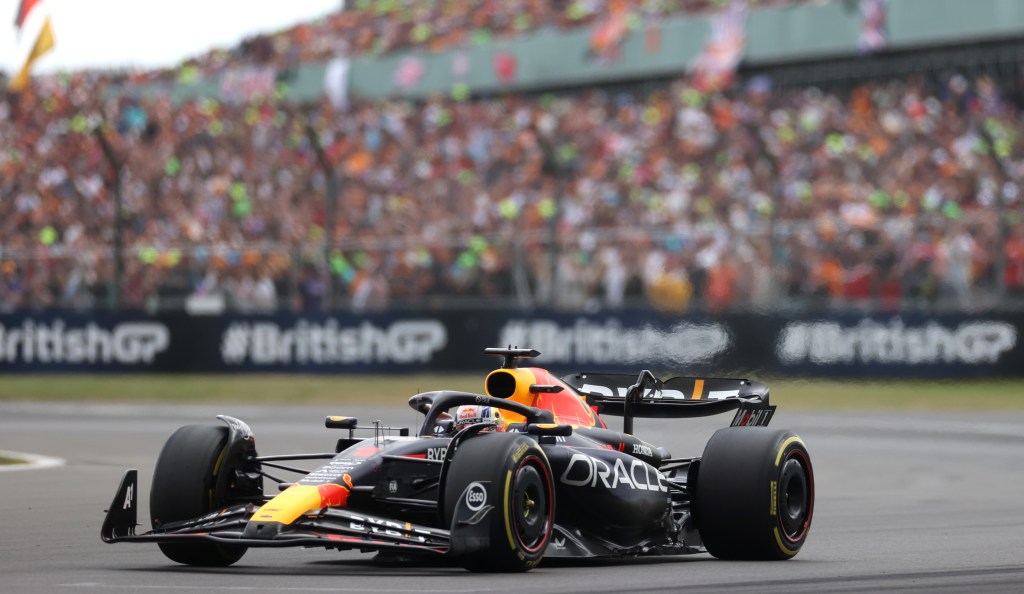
646, 396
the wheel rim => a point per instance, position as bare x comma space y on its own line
531, 510
795, 496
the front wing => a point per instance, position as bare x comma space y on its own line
328, 527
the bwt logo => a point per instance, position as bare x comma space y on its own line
129, 343
263, 343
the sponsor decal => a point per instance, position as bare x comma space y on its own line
476, 496
389, 527
329, 473
587, 471
520, 452
128, 497
392, 486
752, 416
269, 343
128, 343
469, 413
436, 453
609, 342
643, 450
335, 495
655, 394
830, 343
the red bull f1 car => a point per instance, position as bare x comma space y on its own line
495, 481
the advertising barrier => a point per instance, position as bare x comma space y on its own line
839, 345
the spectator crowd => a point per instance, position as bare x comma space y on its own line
897, 193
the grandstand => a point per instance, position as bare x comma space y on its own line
830, 178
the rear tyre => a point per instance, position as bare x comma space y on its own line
185, 486
522, 492
754, 494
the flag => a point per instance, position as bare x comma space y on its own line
715, 68
42, 43
873, 26
607, 37
24, 7
336, 82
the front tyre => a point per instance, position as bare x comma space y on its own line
754, 494
185, 486
521, 491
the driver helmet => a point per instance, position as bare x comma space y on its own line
471, 414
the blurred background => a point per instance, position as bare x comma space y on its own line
795, 186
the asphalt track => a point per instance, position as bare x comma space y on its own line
929, 502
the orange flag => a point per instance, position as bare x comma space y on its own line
43, 44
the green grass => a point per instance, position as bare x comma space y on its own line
254, 388
380, 389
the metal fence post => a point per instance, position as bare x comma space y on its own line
331, 214
116, 166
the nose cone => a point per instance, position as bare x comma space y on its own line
281, 511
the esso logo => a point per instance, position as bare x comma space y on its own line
476, 496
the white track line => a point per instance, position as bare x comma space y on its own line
31, 461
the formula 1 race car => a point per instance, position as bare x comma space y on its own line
494, 481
